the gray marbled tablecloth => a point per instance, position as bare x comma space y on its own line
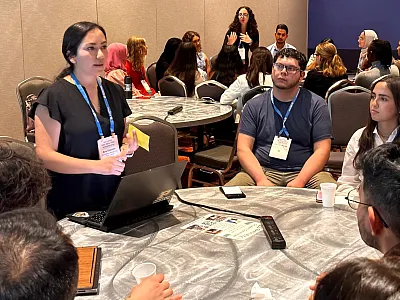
203, 266
195, 112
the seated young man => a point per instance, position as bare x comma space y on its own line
285, 133
377, 202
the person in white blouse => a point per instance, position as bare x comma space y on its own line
383, 127
258, 73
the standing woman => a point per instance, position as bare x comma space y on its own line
364, 40
329, 68
80, 126
203, 62
243, 32
382, 127
185, 68
137, 51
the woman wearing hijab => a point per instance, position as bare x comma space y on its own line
115, 66
364, 40
167, 57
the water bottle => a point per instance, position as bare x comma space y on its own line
128, 87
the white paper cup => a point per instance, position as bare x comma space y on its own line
328, 190
143, 271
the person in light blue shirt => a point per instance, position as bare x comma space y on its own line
281, 34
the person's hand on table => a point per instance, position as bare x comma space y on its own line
113, 165
153, 288
314, 286
245, 38
296, 183
264, 182
137, 93
231, 38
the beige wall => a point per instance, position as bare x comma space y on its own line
33, 32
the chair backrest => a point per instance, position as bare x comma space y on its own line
253, 92
212, 61
172, 86
378, 79
30, 86
337, 86
210, 88
349, 110
152, 76
163, 145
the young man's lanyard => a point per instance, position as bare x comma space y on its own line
284, 130
84, 95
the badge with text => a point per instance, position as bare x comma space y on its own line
146, 86
280, 148
108, 146
242, 53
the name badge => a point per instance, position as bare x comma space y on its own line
146, 86
242, 53
280, 148
108, 146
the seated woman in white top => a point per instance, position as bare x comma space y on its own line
383, 127
257, 74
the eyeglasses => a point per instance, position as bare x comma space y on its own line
354, 201
243, 15
289, 69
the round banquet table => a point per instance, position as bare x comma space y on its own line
204, 266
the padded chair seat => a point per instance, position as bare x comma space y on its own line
216, 158
335, 160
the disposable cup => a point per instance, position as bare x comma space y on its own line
143, 271
328, 190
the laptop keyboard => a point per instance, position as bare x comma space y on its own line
98, 217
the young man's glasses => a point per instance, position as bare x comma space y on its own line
354, 201
290, 69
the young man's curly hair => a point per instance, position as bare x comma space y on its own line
23, 179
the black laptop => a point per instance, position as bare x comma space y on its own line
139, 196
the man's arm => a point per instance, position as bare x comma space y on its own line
314, 164
249, 162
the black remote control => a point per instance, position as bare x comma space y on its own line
175, 110
272, 232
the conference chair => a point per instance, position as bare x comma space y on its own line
216, 164
210, 88
151, 75
172, 86
253, 92
378, 79
25, 90
212, 61
349, 110
337, 86
163, 145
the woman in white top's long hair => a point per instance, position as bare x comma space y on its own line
382, 127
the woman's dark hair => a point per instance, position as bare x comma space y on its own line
184, 66
367, 137
252, 26
170, 49
261, 61
189, 35
73, 37
382, 51
362, 279
228, 65
327, 40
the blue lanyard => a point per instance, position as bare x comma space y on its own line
284, 130
84, 95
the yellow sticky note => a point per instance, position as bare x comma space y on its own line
142, 138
